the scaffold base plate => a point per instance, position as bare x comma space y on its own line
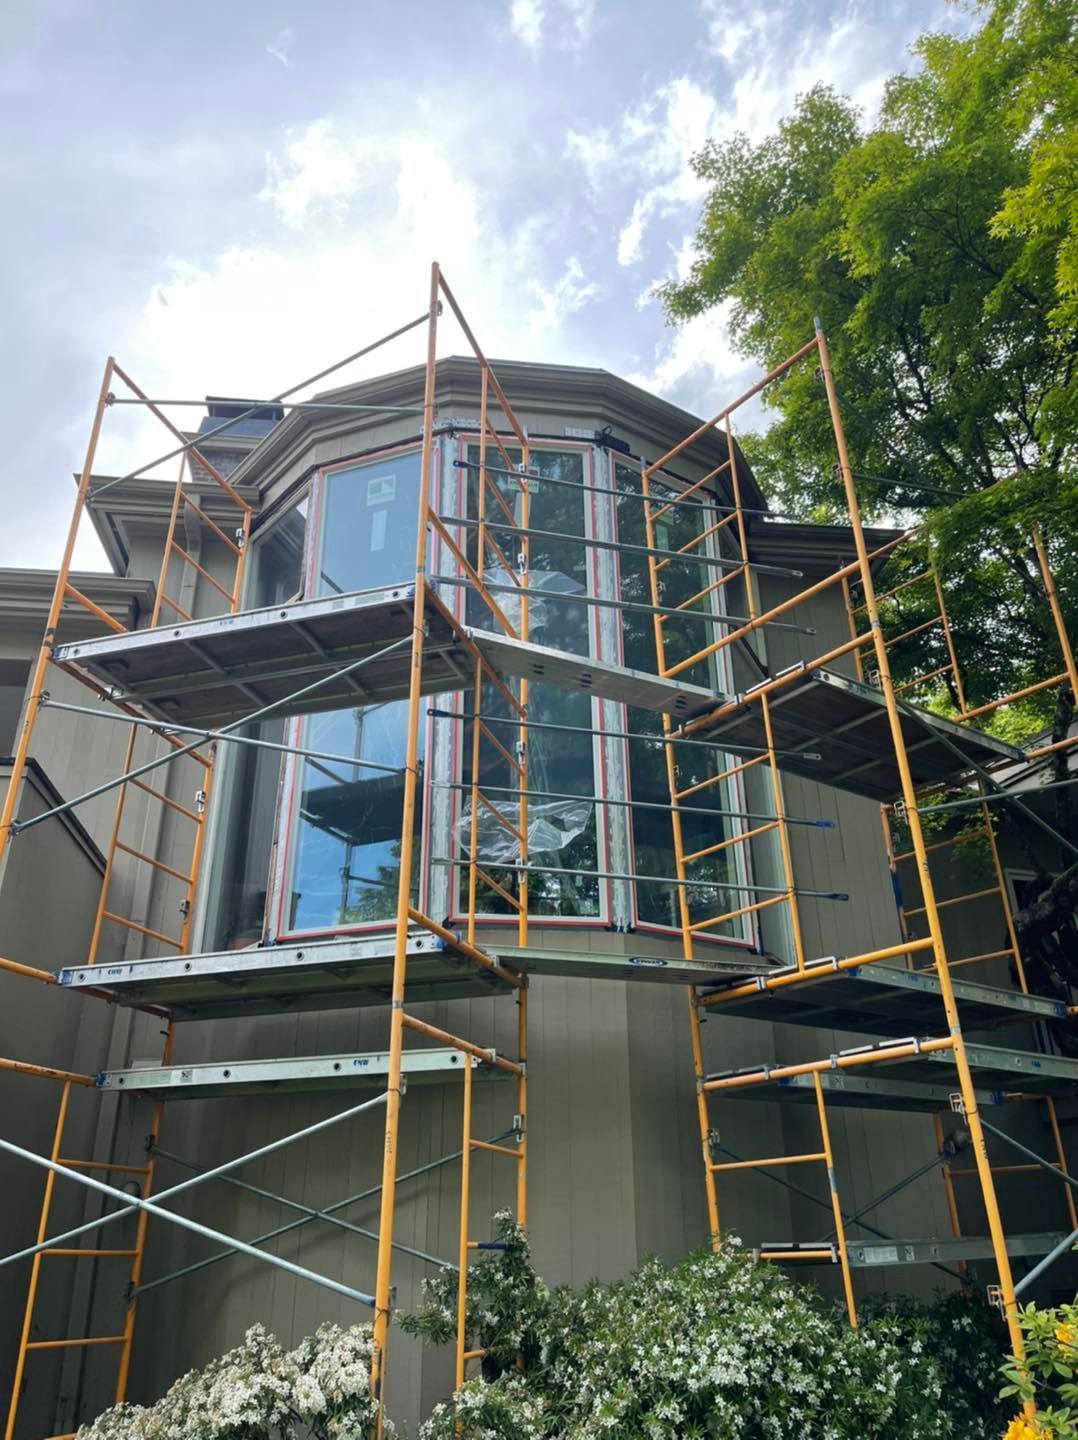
298, 1073
878, 999
845, 723
208, 672
271, 980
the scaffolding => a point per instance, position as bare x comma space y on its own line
211, 678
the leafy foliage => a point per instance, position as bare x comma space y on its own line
716, 1347
260, 1391
1050, 1375
939, 249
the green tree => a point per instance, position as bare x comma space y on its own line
939, 249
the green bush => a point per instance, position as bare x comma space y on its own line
1049, 1376
717, 1347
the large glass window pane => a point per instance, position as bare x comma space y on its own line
345, 823
653, 840
347, 829
562, 831
366, 525
249, 777
277, 557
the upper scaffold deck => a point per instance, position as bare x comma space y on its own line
276, 979
877, 999
845, 722
208, 672
333, 974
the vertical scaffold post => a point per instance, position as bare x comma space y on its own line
32, 706
680, 871
777, 798
404, 891
965, 1077
1057, 611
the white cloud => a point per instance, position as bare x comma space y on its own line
569, 293
281, 48
568, 23
581, 14
308, 292
526, 21
594, 152
319, 170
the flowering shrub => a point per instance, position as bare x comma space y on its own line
718, 1347
260, 1391
1049, 1375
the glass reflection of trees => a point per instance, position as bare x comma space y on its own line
653, 840
559, 761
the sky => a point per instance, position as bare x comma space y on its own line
227, 197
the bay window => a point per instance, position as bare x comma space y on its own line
328, 822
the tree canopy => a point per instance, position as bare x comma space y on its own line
938, 247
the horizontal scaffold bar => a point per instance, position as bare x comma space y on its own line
260, 714
165, 727
634, 495
630, 804
266, 404
795, 975
254, 409
658, 739
851, 1060
996, 798
530, 869
592, 543
602, 603
998, 791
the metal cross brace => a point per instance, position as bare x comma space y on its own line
131, 1203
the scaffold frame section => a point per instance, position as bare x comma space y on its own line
467, 541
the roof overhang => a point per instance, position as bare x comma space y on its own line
144, 505
25, 596
595, 397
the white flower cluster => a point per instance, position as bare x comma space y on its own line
262, 1391
719, 1346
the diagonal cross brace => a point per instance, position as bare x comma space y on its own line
136, 1204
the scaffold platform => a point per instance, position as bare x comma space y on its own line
1003, 1069
845, 722
850, 1090
207, 672
271, 980
287, 1076
953, 1250
656, 969
879, 999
